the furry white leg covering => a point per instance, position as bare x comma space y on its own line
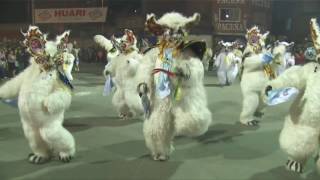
249, 107
232, 75
192, 123
59, 138
300, 142
159, 131
40, 150
261, 107
222, 77
118, 101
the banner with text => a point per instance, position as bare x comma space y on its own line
70, 15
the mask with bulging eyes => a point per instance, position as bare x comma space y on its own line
47, 54
125, 44
45, 62
174, 36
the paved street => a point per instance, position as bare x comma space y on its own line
110, 148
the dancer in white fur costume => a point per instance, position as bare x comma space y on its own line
178, 101
124, 61
300, 136
44, 93
207, 59
255, 73
228, 62
283, 48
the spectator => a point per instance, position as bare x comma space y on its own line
299, 57
90, 52
25, 58
3, 64
12, 63
75, 52
100, 56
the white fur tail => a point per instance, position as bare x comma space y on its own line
104, 42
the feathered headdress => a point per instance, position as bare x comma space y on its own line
35, 41
253, 35
45, 53
315, 34
256, 39
127, 43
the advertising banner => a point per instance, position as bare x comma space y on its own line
70, 15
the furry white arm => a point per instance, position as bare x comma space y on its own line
292, 77
57, 101
218, 59
190, 71
12, 88
104, 42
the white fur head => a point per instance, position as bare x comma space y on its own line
175, 21
226, 45
285, 46
126, 43
281, 48
171, 24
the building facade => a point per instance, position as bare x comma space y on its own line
294, 21
233, 17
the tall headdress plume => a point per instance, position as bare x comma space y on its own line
315, 34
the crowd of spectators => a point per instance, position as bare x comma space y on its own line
13, 58
93, 54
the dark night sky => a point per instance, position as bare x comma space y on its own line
14, 11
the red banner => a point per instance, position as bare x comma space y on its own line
70, 15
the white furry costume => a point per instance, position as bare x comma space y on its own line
181, 107
207, 59
124, 62
43, 98
228, 61
253, 76
300, 135
287, 59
